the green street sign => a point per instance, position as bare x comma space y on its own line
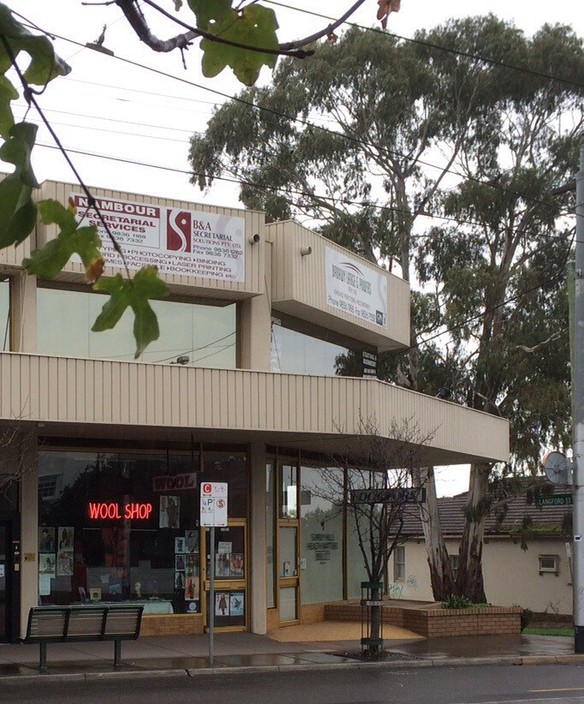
555, 500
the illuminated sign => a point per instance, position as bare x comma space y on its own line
112, 510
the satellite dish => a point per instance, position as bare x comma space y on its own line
558, 468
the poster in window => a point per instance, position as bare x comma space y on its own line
179, 581
191, 541
222, 565
236, 603
224, 547
66, 534
179, 562
47, 564
236, 565
191, 588
192, 565
44, 584
179, 545
169, 512
64, 563
47, 539
222, 604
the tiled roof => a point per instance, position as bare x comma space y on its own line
452, 517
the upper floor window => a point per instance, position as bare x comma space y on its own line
308, 352
190, 333
5, 314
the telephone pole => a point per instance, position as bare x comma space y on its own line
578, 417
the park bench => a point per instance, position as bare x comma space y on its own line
67, 624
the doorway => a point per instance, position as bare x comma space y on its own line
8, 602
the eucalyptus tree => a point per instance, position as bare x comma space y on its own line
439, 154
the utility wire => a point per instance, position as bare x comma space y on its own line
307, 123
284, 191
439, 47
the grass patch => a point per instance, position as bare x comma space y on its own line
540, 631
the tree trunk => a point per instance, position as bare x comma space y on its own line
441, 577
469, 580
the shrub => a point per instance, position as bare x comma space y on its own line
456, 602
526, 616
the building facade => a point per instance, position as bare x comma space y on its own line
264, 369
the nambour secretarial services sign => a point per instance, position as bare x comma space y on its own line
177, 241
355, 288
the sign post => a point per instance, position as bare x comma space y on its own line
213, 514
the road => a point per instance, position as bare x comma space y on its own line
433, 685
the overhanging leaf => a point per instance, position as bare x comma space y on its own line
133, 294
84, 241
17, 211
44, 62
253, 26
209, 12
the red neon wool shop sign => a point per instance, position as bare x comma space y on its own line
113, 510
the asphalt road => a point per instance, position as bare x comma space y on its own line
434, 685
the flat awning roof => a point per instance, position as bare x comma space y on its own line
88, 398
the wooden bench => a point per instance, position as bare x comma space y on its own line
66, 624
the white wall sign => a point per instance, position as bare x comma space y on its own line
214, 504
355, 288
186, 242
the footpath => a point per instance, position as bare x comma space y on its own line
320, 646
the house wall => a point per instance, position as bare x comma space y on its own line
511, 575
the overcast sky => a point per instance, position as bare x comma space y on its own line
139, 108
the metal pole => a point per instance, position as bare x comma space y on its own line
211, 592
578, 417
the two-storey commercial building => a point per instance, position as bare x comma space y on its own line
103, 456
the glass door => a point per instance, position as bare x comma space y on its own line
230, 607
288, 535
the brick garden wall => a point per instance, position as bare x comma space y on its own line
436, 622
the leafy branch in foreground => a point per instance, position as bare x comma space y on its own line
19, 212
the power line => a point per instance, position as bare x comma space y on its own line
239, 181
439, 47
307, 123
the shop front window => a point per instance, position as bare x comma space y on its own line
117, 526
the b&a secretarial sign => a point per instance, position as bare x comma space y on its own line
388, 496
177, 241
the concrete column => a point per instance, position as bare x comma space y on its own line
23, 309
257, 539
255, 331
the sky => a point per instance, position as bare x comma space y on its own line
125, 120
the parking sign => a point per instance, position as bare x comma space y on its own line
214, 504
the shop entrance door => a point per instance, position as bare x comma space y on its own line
231, 606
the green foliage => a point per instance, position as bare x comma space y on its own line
84, 241
132, 294
18, 211
454, 601
252, 25
526, 616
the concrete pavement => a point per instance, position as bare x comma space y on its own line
323, 645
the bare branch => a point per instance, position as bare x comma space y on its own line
139, 24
